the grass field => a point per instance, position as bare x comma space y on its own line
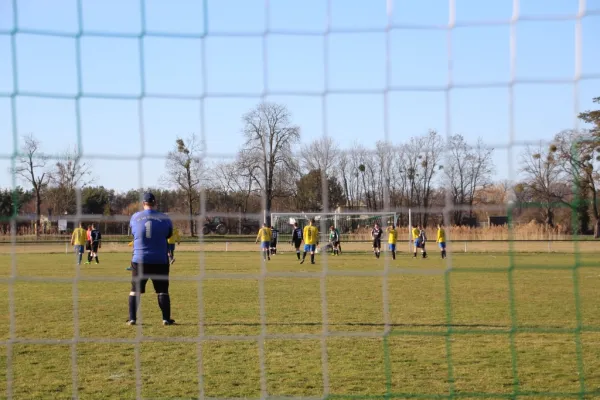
527, 324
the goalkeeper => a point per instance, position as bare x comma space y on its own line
334, 240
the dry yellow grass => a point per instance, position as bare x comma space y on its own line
530, 231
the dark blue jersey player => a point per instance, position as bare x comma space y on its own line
150, 230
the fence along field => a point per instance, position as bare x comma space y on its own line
520, 238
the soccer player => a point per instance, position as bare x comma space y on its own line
334, 239
392, 239
311, 240
441, 239
422, 240
78, 240
376, 235
151, 230
175, 238
415, 235
264, 234
274, 235
96, 239
297, 239
88, 243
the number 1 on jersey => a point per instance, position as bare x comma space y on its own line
148, 226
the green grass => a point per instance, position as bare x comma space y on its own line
459, 325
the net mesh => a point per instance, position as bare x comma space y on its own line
448, 333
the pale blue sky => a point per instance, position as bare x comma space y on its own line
295, 63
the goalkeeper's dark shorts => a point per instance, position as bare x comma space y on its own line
297, 243
159, 273
376, 243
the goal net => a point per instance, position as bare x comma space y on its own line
418, 113
351, 226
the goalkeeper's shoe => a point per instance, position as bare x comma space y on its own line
130, 322
168, 322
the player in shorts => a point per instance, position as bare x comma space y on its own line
392, 239
415, 238
334, 239
151, 230
310, 236
420, 242
274, 235
297, 239
264, 234
441, 239
88, 243
376, 235
96, 239
78, 240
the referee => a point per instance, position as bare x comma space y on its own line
151, 230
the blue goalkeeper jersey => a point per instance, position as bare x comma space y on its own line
150, 230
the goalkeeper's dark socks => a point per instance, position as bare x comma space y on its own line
132, 307
298, 254
164, 302
97, 260
89, 257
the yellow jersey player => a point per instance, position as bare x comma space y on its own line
311, 240
416, 232
78, 240
264, 234
441, 239
175, 238
392, 239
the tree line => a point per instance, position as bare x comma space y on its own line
274, 171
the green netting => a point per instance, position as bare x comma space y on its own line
449, 331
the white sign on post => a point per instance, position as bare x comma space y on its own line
62, 225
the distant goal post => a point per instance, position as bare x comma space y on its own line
352, 226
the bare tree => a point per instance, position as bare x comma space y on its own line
424, 157
346, 177
482, 168
321, 154
31, 168
578, 153
238, 178
269, 134
543, 179
185, 172
468, 169
69, 174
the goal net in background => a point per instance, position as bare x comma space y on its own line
407, 352
351, 226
